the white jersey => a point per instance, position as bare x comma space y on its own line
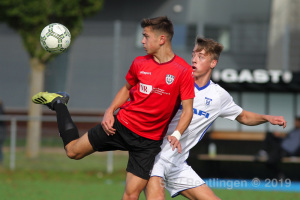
211, 101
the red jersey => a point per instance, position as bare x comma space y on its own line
156, 95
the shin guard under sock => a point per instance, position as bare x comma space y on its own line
66, 127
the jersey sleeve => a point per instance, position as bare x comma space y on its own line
131, 76
187, 85
229, 109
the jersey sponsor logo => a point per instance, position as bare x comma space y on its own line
207, 101
201, 113
146, 73
160, 91
146, 89
198, 112
169, 79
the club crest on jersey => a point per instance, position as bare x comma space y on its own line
169, 79
207, 101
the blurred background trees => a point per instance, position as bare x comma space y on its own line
28, 18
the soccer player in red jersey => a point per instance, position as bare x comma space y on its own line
156, 86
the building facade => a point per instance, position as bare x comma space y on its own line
93, 69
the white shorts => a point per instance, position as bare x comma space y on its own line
177, 178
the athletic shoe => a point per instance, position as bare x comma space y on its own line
50, 99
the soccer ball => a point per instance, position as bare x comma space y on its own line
55, 38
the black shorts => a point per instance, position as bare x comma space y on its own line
142, 151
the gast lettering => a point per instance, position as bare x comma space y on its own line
251, 76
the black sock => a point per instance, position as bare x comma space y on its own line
66, 127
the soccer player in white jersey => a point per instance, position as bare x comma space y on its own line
211, 101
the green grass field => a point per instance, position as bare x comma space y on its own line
54, 176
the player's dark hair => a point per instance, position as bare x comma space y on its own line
163, 24
210, 46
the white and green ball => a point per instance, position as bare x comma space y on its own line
55, 38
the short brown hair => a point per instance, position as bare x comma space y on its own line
163, 24
210, 46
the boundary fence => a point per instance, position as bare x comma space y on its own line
13, 128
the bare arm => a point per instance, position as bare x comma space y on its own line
183, 123
253, 119
108, 120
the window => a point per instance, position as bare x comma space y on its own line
219, 33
